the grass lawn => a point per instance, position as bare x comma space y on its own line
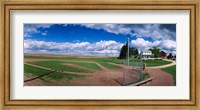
38, 57
34, 71
87, 65
58, 66
151, 63
109, 59
110, 66
145, 75
112, 60
132, 61
172, 71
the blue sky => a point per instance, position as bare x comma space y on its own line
96, 39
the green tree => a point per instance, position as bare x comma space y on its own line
170, 56
133, 51
155, 51
123, 52
124, 49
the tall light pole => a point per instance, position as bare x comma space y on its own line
128, 49
106, 54
140, 71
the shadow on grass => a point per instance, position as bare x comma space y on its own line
39, 76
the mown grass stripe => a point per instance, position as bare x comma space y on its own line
110, 66
59, 66
87, 65
34, 71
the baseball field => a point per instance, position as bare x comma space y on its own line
60, 70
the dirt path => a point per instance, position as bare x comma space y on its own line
102, 67
165, 66
161, 78
121, 65
105, 77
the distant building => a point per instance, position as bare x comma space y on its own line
147, 55
174, 57
163, 54
170, 56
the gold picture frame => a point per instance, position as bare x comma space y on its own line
11, 5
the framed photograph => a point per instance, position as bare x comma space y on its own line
96, 53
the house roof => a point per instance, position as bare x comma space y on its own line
162, 52
147, 51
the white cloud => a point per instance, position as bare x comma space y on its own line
44, 33
166, 45
162, 37
141, 44
156, 43
112, 28
30, 29
155, 31
101, 48
139, 30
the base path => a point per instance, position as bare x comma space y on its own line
161, 78
165, 66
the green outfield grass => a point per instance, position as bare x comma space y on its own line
39, 57
151, 63
87, 65
109, 59
58, 65
132, 61
172, 71
110, 66
145, 75
34, 71
112, 60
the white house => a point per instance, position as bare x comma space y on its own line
147, 55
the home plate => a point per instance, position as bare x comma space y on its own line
127, 80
